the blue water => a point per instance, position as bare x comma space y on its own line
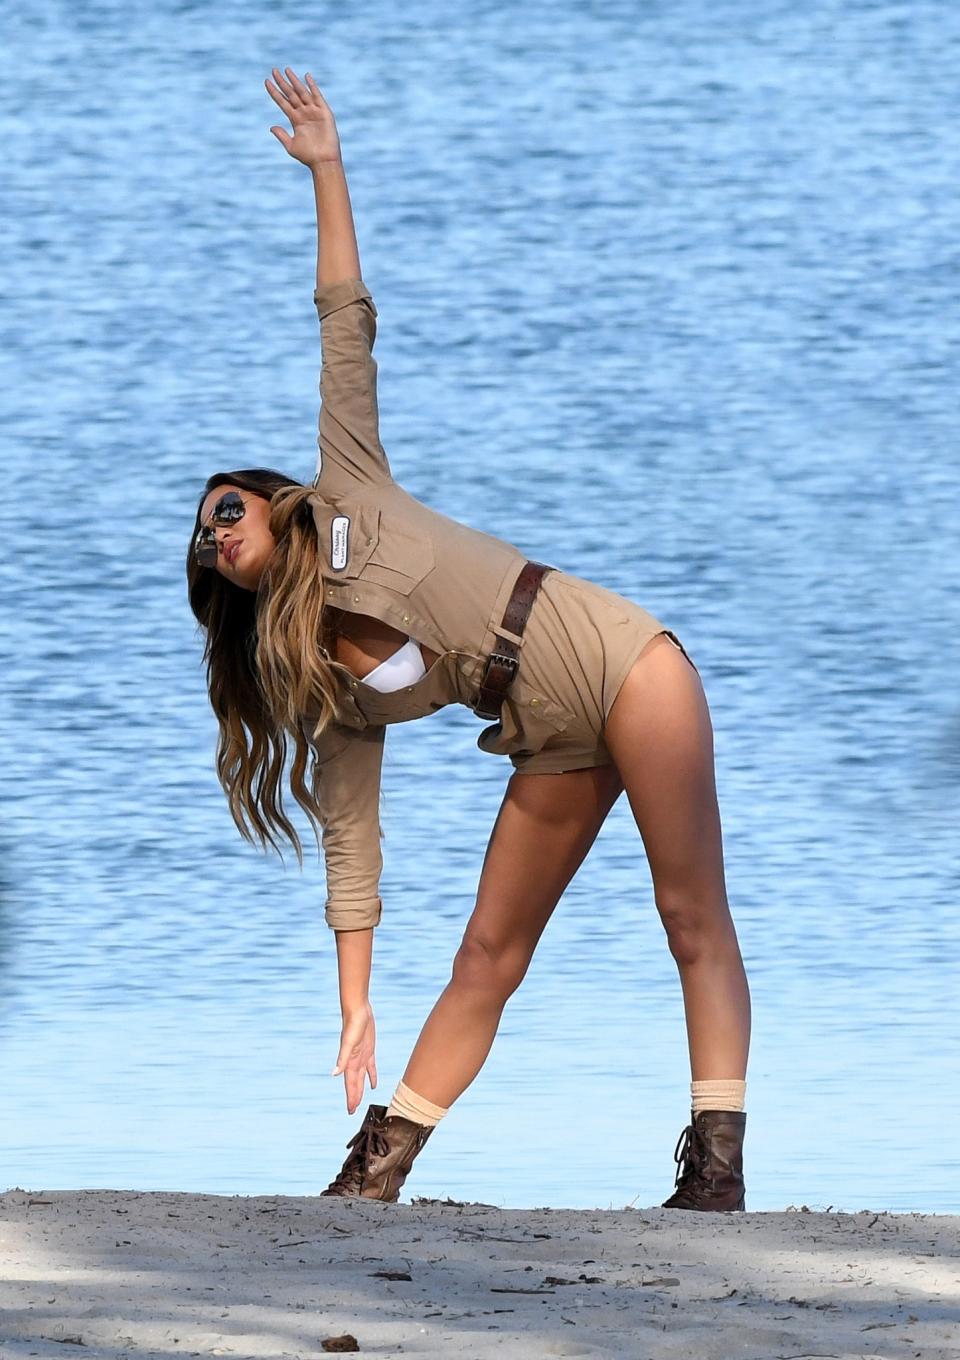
668, 297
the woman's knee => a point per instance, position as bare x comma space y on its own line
696, 923
484, 966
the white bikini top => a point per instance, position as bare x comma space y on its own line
402, 667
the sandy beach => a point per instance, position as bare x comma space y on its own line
109, 1273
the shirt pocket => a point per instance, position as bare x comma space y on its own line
531, 710
527, 722
399, 556
347, 533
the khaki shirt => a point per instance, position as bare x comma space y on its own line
386, 554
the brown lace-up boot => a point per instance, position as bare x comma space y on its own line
382, 1154
709, 1157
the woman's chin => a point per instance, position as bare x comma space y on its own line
246, 574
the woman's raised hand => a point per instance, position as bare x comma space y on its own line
315, 140
356, 1059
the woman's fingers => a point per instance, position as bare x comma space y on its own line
287, 90
316, 96
354, 1076
354, 1088
278, 97
293, 91
301, 91
356, 1058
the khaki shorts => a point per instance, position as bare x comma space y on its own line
579, 645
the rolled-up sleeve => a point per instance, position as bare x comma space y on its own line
348, 440
350, 764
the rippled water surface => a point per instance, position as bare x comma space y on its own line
668, 297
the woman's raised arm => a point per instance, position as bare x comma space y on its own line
316, 144
350, 455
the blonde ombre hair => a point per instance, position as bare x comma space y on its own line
267, 664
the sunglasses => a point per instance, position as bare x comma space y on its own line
230, 508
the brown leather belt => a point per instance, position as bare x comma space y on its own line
504, 661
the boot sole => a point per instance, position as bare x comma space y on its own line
705, 1208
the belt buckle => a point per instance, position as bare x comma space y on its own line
513, 663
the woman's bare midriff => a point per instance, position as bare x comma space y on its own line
360, 643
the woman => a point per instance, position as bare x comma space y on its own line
335, 609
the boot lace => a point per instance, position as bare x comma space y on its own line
690, 1154
368, 1142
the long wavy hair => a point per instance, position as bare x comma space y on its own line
267, 666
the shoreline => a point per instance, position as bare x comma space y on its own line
120, 1273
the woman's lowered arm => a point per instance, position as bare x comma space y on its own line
348, 795
354, 959
315, 143
356, 1059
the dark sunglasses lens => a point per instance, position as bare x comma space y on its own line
205, 548
228, 509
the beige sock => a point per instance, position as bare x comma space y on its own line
721, 1093
411, 1106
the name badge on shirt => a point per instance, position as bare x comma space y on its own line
339, 541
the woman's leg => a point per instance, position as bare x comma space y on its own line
661, 738
545, 826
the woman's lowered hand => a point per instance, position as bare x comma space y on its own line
356, 1061
315, 140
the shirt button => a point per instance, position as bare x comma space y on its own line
356, 599
409, 689
534, 702
406, 618
329, 590
354, 683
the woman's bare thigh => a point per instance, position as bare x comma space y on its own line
660, 735
545, 826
